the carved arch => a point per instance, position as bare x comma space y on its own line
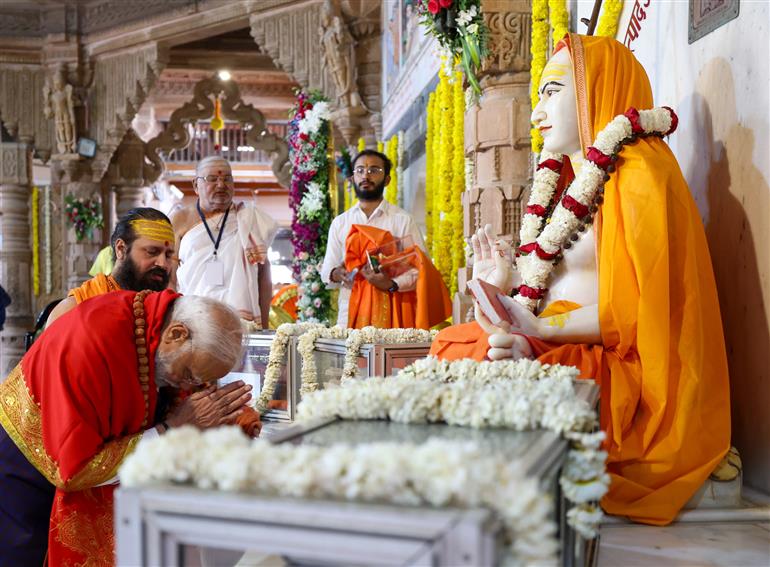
176, 136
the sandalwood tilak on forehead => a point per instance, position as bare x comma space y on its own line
154, 230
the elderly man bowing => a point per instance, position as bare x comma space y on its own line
223, 245
78, 402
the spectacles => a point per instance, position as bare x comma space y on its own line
372, 170
212, 179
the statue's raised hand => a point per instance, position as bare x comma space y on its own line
492, 259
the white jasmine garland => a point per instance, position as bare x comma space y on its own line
354, 340
437, 473
277, 358
552, 235
306, 349
585, 519
516, 403
522, 395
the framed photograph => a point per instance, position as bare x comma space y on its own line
87, 147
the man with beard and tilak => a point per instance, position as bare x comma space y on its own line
143, 251
410, 294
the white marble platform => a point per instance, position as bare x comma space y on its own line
691, 544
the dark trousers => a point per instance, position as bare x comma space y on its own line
26, 498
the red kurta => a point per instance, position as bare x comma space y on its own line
74, 406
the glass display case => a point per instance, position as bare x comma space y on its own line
372, 360
256, 353
182, 525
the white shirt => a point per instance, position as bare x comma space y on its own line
386, 217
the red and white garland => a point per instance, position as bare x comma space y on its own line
549, 227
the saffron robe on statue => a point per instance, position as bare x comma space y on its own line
73, 410
246, 229
427, 305
661, 366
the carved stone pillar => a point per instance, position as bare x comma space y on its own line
76, 179
497, 130
15, 251
126, 174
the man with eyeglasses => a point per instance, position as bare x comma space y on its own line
223, 245
92, 386
416, 297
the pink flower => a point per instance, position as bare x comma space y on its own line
433, 7
445, 3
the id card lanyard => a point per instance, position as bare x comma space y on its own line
214, 273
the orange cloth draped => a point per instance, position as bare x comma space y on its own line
661, 366
75, 407
97, 285
427, 305
286, 299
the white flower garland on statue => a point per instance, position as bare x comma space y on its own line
437, 473
548, 228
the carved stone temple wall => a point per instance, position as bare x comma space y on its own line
291, 37
15, 250
497, 132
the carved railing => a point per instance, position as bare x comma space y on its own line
176, 135
233, 144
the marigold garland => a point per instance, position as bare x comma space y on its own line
35, 241
538, 49
442, 229
47, 238
559, 18
399, 166
608, 21
445, 175
429, 163
391, 150
455, 221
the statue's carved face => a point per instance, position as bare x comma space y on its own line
556, 113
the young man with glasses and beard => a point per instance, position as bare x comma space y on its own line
369, 296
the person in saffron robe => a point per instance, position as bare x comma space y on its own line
633, 303
415, 298
84, 395
223, 245
143, 257
143, 248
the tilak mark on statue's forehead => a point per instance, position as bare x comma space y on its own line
154, 230
554, 71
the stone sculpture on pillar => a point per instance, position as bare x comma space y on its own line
59, 105
337, 46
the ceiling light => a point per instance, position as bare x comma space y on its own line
224, 75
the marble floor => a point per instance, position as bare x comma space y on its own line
727, 544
